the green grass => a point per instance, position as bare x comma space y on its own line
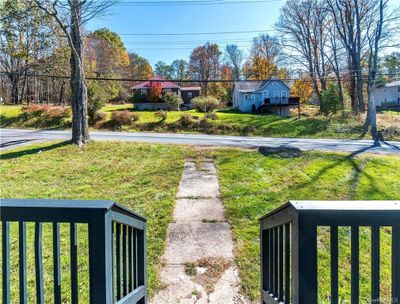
310, 125
142, 177
145, 178
252, 185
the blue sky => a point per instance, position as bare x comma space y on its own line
128, 19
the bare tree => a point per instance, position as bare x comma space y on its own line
302, 27
377, 30
204, 64
71, 15
234, 58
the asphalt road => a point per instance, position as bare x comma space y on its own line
11, 138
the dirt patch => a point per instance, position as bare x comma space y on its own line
207, 271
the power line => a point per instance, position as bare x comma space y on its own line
189, 80
192, 3
194, 33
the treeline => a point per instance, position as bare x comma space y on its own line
334, 46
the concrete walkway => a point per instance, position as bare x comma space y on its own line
199, 260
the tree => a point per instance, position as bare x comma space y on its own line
163, 69
179, 69
155, 92
139, 67
173, 100
302, 88
329, 100
390, 65
234, 59
204, 64
264, 55
71, 17
24, 35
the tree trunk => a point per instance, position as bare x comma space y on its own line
80, 127
14, 90
371, 114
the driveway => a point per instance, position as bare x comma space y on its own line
11, 138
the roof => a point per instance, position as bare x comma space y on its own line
165, 84
190, 88
253, 86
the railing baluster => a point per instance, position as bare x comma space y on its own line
22, 263
276, 262
74, 264
265, 257
280, 270
355, 264
124, 260
141, 266
271, 261
6, 261
39, 263
118, 260
396, 264
375, 264
130, 259
136, 259
56, 263
335, 265
287, 264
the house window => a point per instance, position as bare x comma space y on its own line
276, 94
167, 90
246, 96
190, 95
284, 94
398, 89
253, 97
143, 91
274, 83
265, 94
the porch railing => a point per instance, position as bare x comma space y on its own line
116, 249
289, 272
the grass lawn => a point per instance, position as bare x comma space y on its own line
145, 178
142, 177
252, 185
310, 125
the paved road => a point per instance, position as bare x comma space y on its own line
11, 138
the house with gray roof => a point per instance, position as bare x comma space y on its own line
252, 96
388, 95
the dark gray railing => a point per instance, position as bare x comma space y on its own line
289, 249
112, 231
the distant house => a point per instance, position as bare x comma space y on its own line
388, 95
272, 95
143, 88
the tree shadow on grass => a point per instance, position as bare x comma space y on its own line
17, 154
358, 171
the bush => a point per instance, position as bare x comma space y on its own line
99, 116
205, 103
172, 99
330, 100
186, 120
35, 110
96, 98
59, 112
123, 118
137, 97
161, 114
211, 115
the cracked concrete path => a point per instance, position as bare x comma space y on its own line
199, 260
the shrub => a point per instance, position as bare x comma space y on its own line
161, 114
137, 97
172, 99
330, 100
35, 110
186, 120
123, 118
205, 103
211, 115
99, 116
59, 112
96, 98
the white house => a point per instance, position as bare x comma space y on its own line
389, 94
249, 96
